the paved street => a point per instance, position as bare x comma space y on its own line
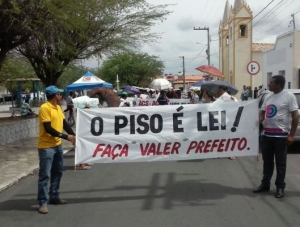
216, 192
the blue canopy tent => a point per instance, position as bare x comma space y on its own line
88, 81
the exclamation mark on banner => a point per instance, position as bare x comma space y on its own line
237, 119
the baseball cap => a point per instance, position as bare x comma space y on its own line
52, 90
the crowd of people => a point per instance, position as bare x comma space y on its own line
278, 132
162, 97
247, 93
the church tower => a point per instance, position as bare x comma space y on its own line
235, 35
224, 42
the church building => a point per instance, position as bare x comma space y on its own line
236, 48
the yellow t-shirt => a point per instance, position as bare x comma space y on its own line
53, 114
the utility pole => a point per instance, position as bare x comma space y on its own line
293, 21
117, 81
183, 74
208, 42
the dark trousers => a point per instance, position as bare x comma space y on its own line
274, 146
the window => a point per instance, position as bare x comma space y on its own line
281, 73
269, 76
243, 30
227, 40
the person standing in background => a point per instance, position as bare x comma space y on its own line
255, 93
224, 97
249, 92
244, 94
163, 99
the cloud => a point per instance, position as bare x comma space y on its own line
186, 24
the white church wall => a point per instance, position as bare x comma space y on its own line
257, 79
243, 57
296, 46
279, 61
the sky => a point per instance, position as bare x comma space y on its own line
178, 37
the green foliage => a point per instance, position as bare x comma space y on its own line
18, 18
136, 69
70, 75
80, 29
16, 68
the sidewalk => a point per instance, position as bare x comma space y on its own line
20, 159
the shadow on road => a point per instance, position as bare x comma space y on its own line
185, 193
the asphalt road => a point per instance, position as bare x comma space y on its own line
215, 192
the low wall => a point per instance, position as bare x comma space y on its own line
14, 131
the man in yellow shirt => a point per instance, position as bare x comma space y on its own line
51, 125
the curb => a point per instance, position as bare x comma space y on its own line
22, 175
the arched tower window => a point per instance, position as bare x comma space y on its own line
227, 40
243, 30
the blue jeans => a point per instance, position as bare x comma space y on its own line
51, 167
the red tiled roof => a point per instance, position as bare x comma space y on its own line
188, 79
262, 46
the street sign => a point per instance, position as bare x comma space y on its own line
253, 68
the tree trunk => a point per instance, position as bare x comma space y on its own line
3, 54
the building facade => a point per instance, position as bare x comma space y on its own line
236, 48
189, 80
284, 59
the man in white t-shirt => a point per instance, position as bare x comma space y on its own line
245, 93
279, 116
224, 97
124, 102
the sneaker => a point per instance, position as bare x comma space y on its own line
57, 201
43, 209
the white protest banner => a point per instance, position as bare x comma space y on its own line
170, 132
146, 102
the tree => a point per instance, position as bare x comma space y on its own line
80, 29
136, 69
17, 19
14, 68
71, 74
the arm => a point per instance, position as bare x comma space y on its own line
29, 109
68, 128
261, 116
157, 100
295, 119
53, 132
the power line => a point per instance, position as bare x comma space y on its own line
250, 27
197, 55
297, 12
204, 8
278, 5
281, 22
213, 7
253, 18
190, 57
273, 15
